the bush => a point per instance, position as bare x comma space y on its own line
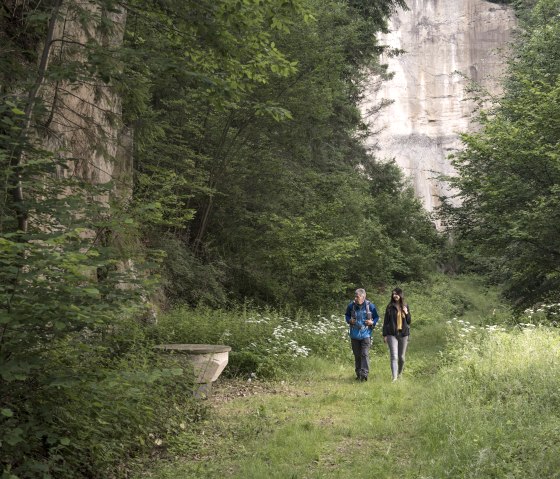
95, 407
80, 390
547, 314
266, 343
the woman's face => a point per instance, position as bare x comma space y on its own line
396, 297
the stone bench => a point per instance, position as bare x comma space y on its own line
208, 361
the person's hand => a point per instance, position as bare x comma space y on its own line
352, 321
405, 309
369, 322
384, 339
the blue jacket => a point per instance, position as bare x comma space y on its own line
359, 330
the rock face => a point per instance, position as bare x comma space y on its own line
86, 116
447, 44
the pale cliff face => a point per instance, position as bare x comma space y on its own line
430, 109
85, 120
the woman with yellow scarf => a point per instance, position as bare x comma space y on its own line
396, 329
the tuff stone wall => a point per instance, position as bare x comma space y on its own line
86, 116
447, 42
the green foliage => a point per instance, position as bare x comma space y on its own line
265, 344
187, 276
509, 173
96, 405
262, 183
80, 389
542, 314
483, 426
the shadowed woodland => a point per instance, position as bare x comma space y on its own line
195, 171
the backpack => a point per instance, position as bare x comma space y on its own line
369, 315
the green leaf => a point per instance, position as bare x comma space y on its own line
6, 412
14, 436
59, 325
91, 291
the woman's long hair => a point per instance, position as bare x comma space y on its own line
401, 298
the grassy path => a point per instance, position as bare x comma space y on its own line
469, 420
323, 424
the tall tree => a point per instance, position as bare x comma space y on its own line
262, 191
509, 172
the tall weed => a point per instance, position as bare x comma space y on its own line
264, 343
495, 410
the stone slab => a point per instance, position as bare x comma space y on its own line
208, 360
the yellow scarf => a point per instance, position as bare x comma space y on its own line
399, 319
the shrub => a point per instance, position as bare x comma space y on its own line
95, 406
542, 313
266, 343
80, 389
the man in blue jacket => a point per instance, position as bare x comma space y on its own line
362, 317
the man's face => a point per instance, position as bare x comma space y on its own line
358, 299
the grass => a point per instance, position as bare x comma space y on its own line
481, 405
308, 428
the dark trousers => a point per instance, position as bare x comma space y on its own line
360, 348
